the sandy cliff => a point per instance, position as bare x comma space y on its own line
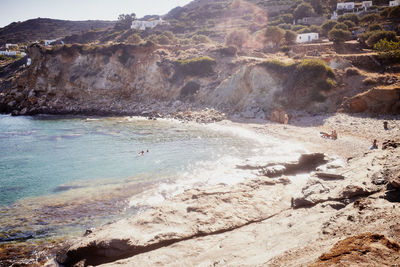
125, 79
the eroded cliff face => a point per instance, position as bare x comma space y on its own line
124, 79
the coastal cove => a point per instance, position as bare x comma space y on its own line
62, 175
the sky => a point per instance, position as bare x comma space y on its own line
21, 10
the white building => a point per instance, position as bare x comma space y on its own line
143, 25
366, 4
8, 46
394, 3
345, 6
8, 53
49, 42
307, 37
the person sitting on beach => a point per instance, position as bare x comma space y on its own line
332, 136
141, 153
374, 145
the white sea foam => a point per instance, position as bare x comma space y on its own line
263, 149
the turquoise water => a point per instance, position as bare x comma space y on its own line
43, 155
60, 175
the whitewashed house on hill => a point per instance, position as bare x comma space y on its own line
307, 37
8, 46
8, 53
394, 3
345, 6
366, 4
49, 42
143, 25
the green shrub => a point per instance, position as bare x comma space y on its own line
200, 39
278, 66
287, 18
339, 36
370, 81
310, 73
285, 26
328, 26
394, 13
353, 17
134, 39
375, 27
285, 49
379, 35
163, 40
384, 45
228, 51
385, 12
274, 35
349, 24
341, 26
370, 18
303, 10
304, 30
315, 28
290, 37
308, 69
199, 66
390, 57
352, 72
297, 28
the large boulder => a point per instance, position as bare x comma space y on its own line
363, 250
377, 100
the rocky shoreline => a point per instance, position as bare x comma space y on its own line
274, 220
293, 213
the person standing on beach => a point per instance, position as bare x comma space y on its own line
385, 125
374, 145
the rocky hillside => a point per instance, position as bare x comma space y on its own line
128, 79
43, 28
151, 79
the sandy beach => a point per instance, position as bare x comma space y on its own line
279, 220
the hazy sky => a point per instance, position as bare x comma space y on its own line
20, 10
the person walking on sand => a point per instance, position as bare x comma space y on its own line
374, 145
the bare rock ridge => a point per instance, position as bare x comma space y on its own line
226, 210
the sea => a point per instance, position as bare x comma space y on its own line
60, 176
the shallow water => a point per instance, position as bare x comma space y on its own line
62, 175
